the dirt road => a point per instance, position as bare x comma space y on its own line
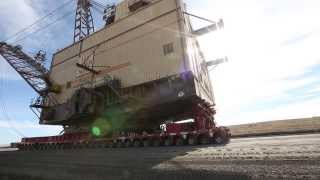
280, 157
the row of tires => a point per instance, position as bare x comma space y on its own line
155, 142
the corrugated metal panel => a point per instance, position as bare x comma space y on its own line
66, 53
135, 57
132, 21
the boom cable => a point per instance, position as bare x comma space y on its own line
4, 108
45, 27
38, 21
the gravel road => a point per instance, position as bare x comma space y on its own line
277, 157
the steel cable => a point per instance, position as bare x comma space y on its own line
38, 21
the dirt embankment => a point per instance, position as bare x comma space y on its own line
292, 126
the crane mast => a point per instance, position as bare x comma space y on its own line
83, 22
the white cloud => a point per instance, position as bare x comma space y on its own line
13, 130
7, 72
25, 14
25, 125
14, 16
297, 110
21, 15
260, 60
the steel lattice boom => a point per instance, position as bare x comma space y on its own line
30, 69
84, 22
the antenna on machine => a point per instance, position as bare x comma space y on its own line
83, 22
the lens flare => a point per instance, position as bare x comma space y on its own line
101, 127
96, 131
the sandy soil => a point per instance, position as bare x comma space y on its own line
279, 157
290, 126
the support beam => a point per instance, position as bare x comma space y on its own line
83, 26
87, 68
210, 28
31, 70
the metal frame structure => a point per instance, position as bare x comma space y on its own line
84, 25
31, 70
201, 131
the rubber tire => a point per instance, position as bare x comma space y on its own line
179, 142
218, 140
204, 140
146, 143
168, 142
192, 141
137, 143
128, 144
119, 145
111, 145
156, 143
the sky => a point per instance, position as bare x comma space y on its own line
273, 70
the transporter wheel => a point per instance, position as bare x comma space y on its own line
45, 147
105, 145
100, 145
146, 143
204, 140
221, 137
137, 143
89, 145
49, 147
22, 147
64, 146
168, 142
192, 141
111, 145
57, 147
31, 147
128, 143
35, 147
218, 140
156, 142
61, 146
97, 145
77, 146
120, 144
180, 142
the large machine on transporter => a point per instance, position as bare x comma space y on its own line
140, 81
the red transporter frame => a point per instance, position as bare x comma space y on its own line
201, 131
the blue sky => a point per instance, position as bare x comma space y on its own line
272, 45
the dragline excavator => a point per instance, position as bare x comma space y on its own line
142, 80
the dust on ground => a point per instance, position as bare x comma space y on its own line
274, 157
